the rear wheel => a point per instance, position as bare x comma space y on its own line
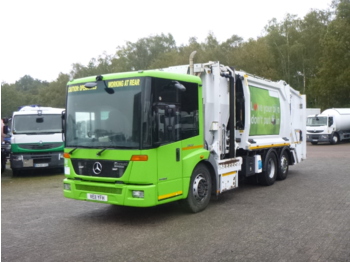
199, 191
283, 165
268, 176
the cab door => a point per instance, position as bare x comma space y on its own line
169, 152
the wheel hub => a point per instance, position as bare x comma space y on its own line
271, 168
200, 187
284, 164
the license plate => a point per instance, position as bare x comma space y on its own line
41, 165
27, 162
97, 197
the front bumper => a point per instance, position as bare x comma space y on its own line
115, 194
318, 137
37, 160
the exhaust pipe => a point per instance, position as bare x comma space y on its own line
191, 62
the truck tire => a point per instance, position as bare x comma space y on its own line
335, 139
3, 165
199, 191
269, 174
3, 161
15, 172
283, 165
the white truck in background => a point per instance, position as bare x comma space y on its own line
36, 140
312, 111
332, 125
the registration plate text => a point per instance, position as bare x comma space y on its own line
97, 197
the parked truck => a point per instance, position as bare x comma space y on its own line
332, 125
312, 111
182, 133
5, 145
36, 140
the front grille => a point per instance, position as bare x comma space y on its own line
315, 137
42, 160
99, 168
40, 146
315, 131
99, 189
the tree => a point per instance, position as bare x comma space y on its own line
332, 85
11, 99
284, 42
55, 94
140, 55
254, 57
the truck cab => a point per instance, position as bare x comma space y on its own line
319, 128
36, 138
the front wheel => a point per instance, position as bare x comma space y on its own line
15, 172
199, 190
3, 165
335, 139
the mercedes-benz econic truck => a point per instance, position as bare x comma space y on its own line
36, 140
183, 133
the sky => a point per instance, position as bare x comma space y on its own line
43, 38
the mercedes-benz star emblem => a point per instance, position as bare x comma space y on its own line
97, 168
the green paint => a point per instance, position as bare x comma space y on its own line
37, 147
265, 113
163, 178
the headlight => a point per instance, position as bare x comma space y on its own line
17, 157
66, 186
138, 194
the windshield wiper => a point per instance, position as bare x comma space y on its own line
100, 152
71, 152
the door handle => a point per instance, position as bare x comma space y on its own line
177, 154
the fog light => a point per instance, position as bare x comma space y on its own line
17, 157
66, 186
138, 194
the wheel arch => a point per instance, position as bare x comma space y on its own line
282, 150
213, 175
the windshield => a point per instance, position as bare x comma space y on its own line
131, 113
107, 115
35, 124
316, 121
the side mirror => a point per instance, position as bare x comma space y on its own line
5, 130
63, 118
5, 120
179, 86
330, 122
